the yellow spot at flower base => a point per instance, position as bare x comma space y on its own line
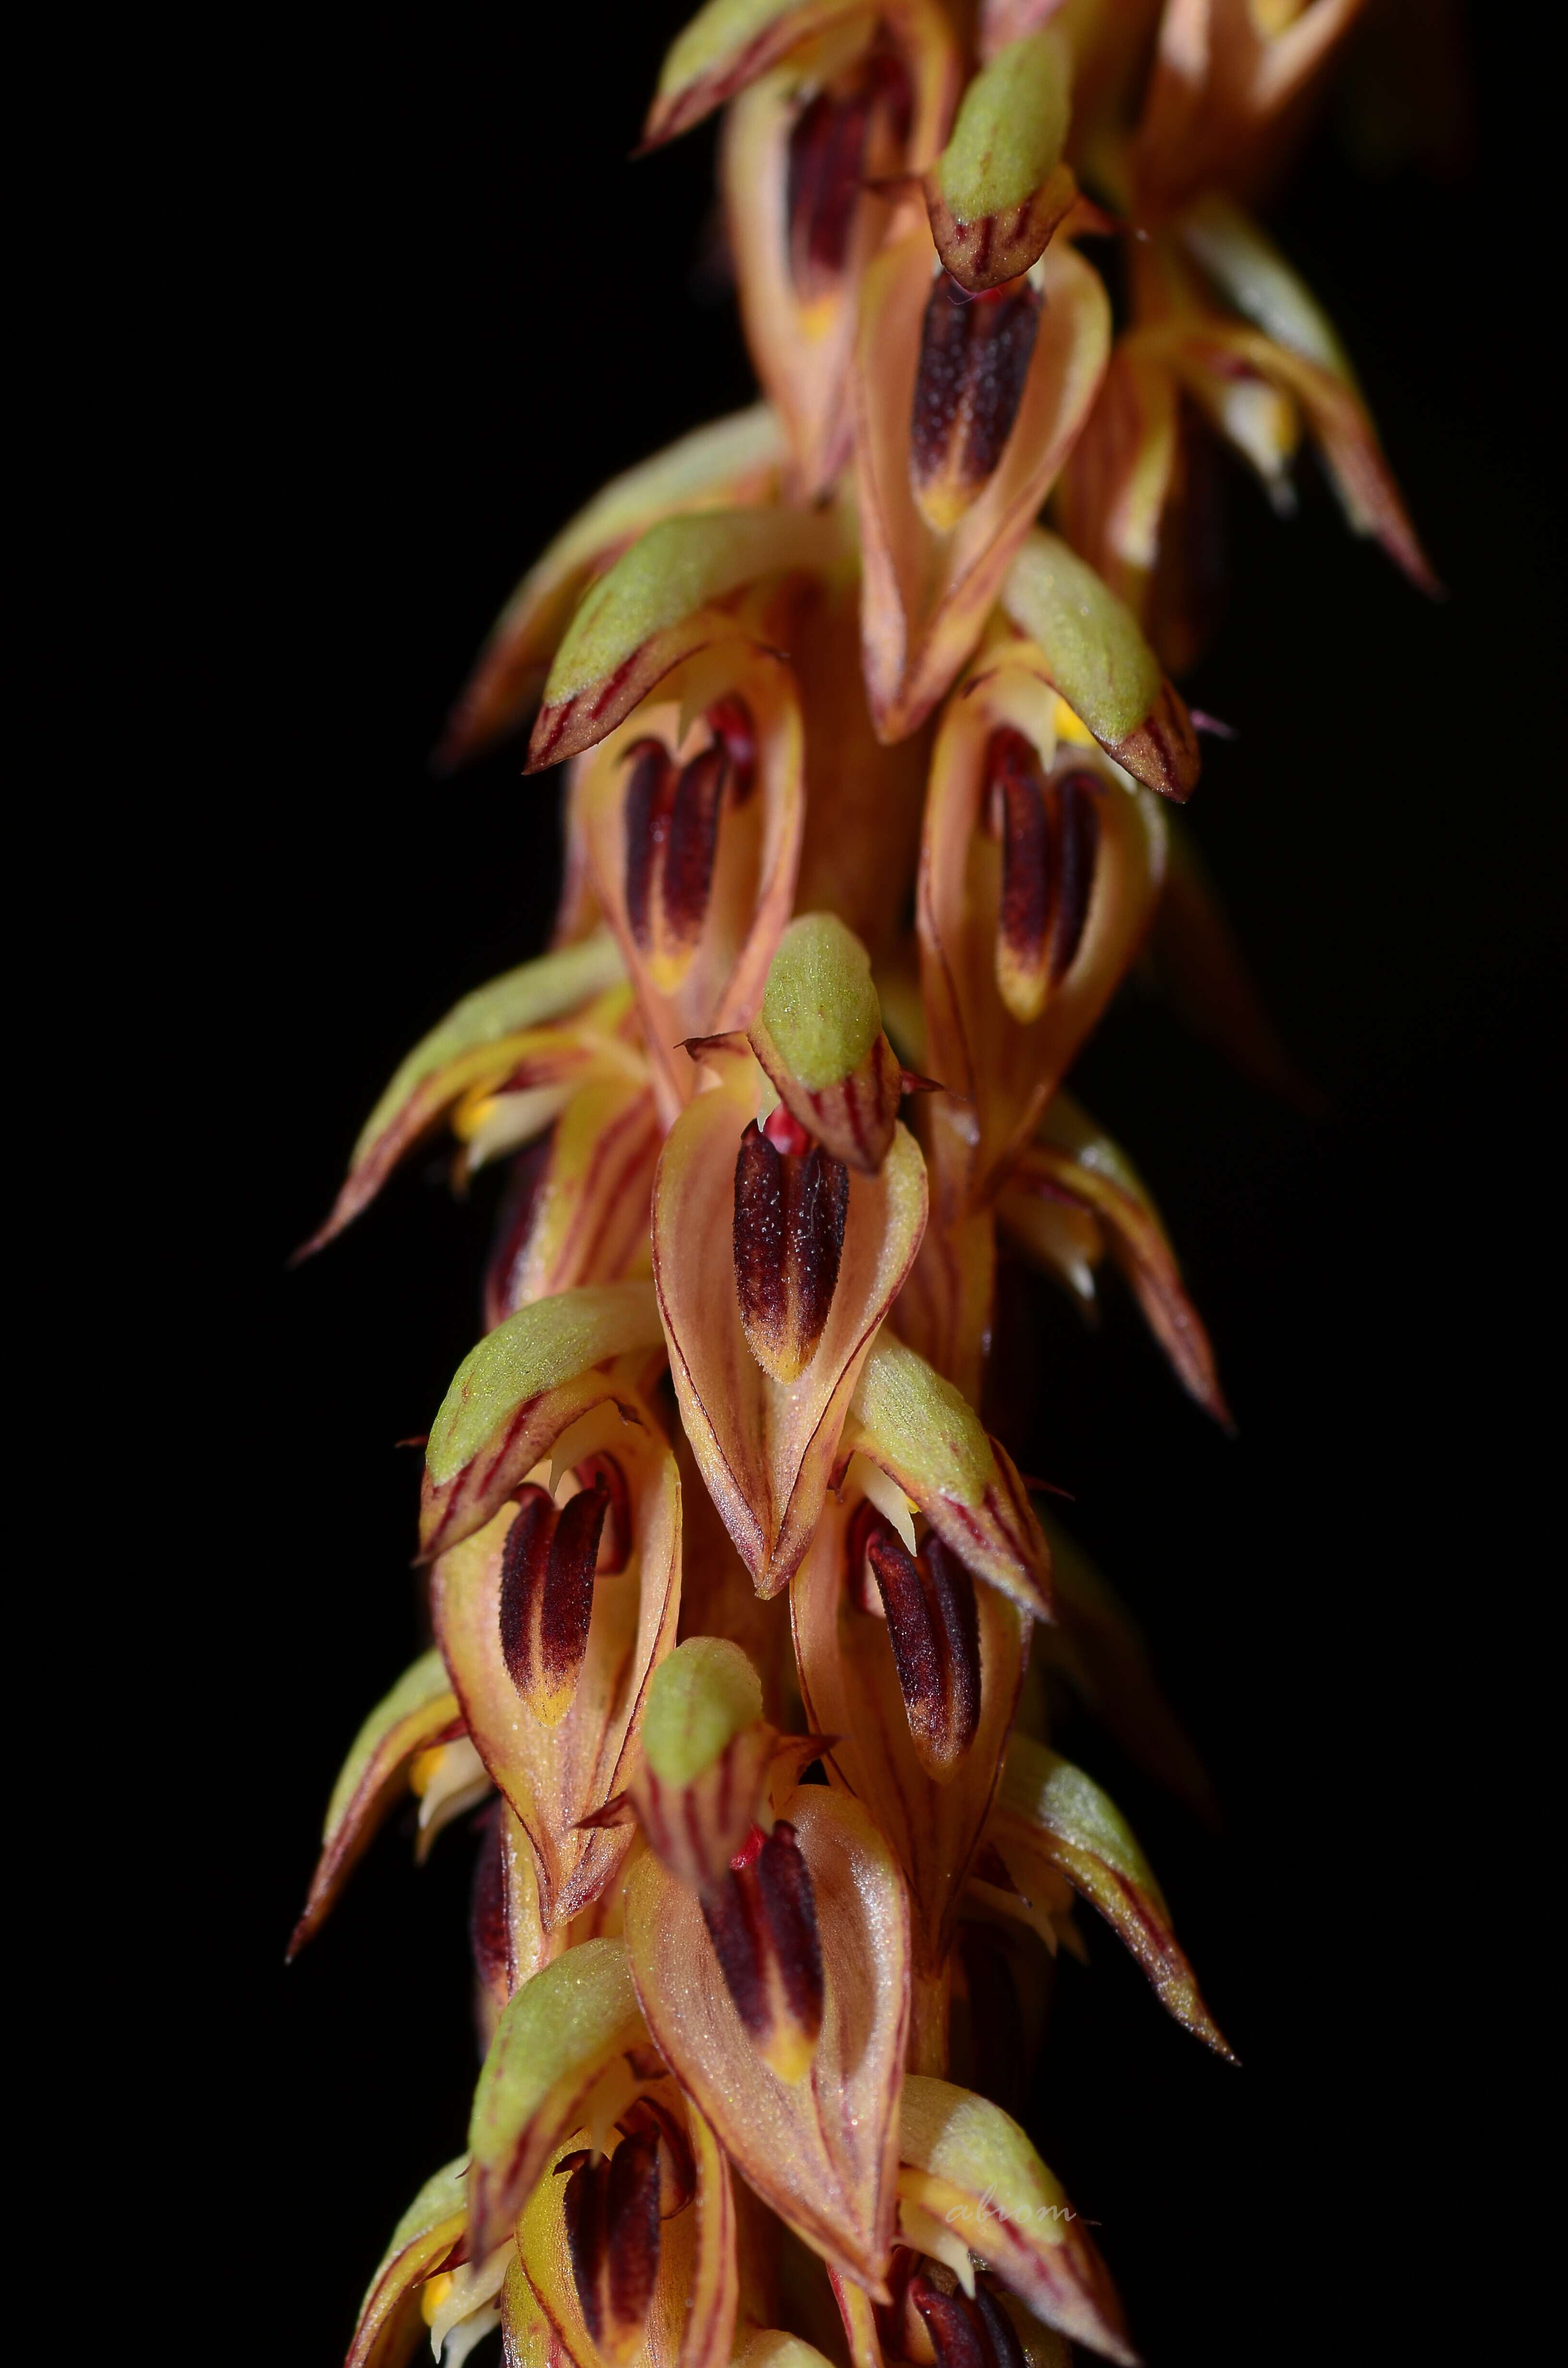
433, 2293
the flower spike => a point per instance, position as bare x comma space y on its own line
868, 793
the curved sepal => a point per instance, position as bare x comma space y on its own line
661, 602
1040, 874
555, 1771
420, 1711
1071, 1160
926, 590
391, 2322
1093, 653
481, 1041
557, 2037
926, 1436
1048, 1811
969, 2167
518, 1389
730, 44
765, 1447
822, 2152
731, 464
585, 1216
1228, 84
1000, 188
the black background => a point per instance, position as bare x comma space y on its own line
451, 308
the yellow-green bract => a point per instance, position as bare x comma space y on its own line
1091, 640
698, 1700
1010, 131
818, 1005
544, 1344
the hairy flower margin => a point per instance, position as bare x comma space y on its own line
743, 1618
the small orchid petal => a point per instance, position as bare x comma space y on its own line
1048, 1810
1049, 901
927, 588
555, 1771
970, 2166
690, 815
1072, 1159
420, 1710
480, 1041
933, 1818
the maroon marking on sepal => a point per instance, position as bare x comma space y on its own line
616, 1811
678, 2168
933, 1624
789, 1907
1077, 797
974, 360
651, 786
611, 2213
1022, 822
546, 1586
693, 847
729, 721
791, 1208
487, 1912
910, 1081
827, 160
956, 2335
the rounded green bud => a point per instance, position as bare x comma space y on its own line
699, 1698
820, 1006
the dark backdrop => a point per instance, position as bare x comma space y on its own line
457, 307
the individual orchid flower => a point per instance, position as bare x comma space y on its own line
965, 410
1071, 1196
830, 104
749, 1633
775, 1262
1225, 341
1050, 1817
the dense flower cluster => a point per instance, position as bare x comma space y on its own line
743, 1615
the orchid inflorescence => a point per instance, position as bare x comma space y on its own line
744, 1620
